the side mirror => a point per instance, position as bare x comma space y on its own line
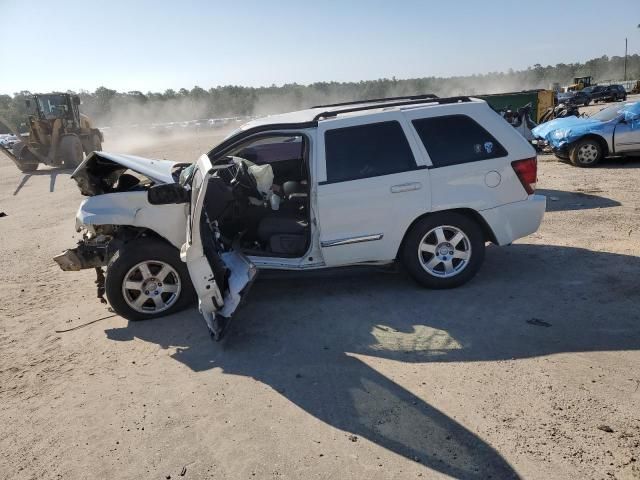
630, 117
76, 100
167, 193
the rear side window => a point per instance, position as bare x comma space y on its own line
367, 151
455, 139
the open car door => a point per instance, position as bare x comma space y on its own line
220, 277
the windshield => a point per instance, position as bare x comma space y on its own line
53, 106
608, 113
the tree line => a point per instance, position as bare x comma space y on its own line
110, 107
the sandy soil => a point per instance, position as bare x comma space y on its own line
532, 370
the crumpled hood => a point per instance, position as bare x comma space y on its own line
562, 131
100, 171
157, 170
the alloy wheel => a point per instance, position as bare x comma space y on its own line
444, 251
588, 153
151, 286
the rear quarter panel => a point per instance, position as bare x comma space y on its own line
471, 185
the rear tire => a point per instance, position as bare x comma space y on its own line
444, 250
97, 144
93, 144
159, 281
586, 153
70, 151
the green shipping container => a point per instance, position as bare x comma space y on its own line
540, 100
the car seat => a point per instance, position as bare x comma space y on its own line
285, 231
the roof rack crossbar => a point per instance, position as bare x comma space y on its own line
440, 101
371, 100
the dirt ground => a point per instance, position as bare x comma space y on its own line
531, 370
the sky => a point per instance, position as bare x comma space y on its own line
153, 45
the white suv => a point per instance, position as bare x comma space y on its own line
422, 180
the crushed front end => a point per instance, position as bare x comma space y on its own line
94, 250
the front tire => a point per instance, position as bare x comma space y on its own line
444, 250
586, 153
146, 279
70, 151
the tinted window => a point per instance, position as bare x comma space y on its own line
271, 149
367, 151
455, 139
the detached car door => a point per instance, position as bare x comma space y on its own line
372, 183
221, 278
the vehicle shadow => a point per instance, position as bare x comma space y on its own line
620, 162
305, 336
52, 172
560, 200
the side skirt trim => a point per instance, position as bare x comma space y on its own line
351, 240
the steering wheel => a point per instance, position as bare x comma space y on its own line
244, 178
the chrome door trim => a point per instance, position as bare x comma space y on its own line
351, 240
406, 187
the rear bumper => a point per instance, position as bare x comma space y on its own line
515, 220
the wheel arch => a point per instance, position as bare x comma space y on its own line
598, 138
124, 234
128, 233
120, 265
470, 213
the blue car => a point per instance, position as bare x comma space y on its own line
614, 131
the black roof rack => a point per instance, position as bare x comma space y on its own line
441, 101
386, 99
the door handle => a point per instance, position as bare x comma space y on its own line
406, 187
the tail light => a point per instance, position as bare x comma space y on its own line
527, 172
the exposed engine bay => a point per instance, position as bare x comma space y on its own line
102, 172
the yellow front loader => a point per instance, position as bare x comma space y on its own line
58, 134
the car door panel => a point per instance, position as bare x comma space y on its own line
626, 137
220, 279
364, 219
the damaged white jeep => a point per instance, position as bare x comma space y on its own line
422, 180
